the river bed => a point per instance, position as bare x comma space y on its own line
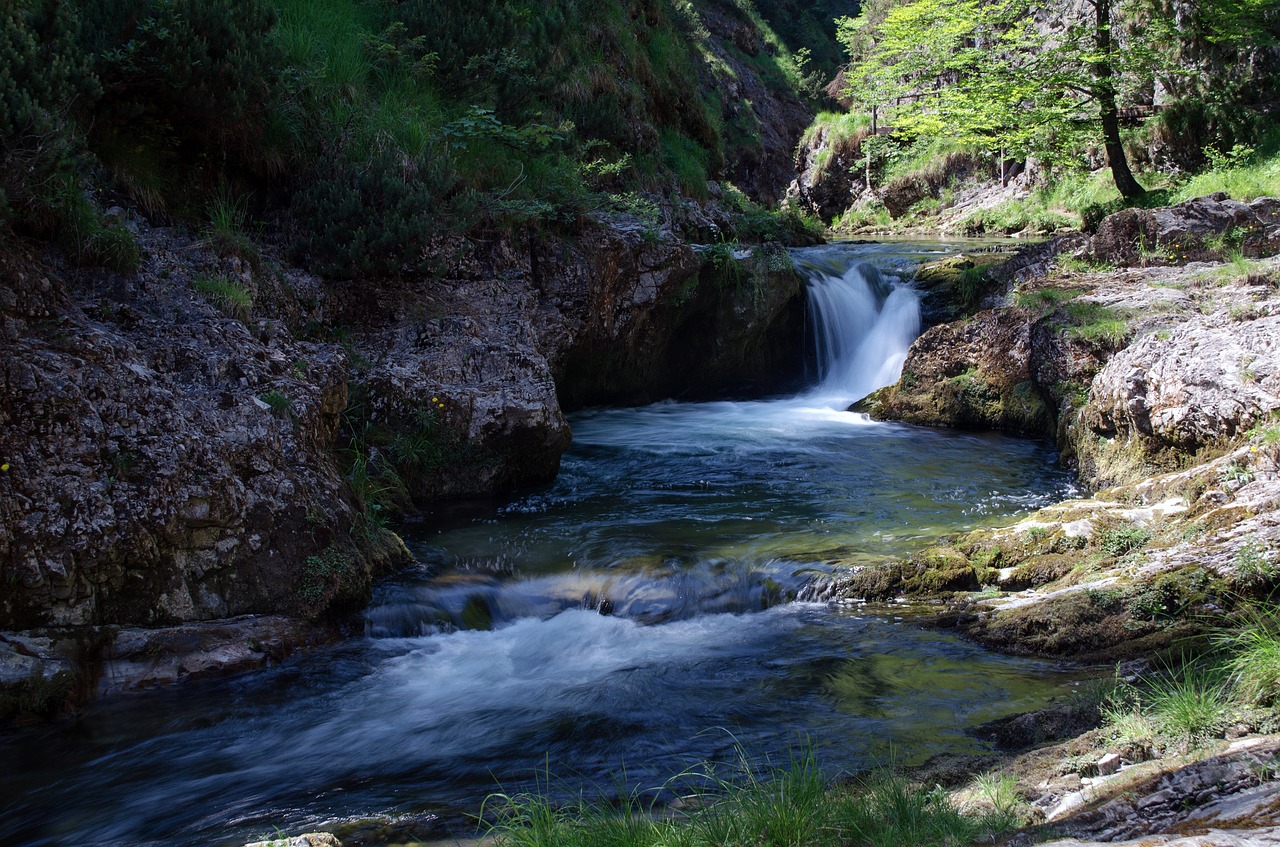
643, 614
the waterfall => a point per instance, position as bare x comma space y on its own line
863, 326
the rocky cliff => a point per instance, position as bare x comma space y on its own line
203, 438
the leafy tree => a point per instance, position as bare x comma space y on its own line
1005, 74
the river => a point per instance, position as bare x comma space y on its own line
644, 613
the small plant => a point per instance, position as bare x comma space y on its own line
321, 574
1000, 792
226, 295
1121, 540
279, 403
1235, 474
226, 230
1127, 720
1255, 566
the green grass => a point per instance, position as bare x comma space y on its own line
1253, 649
1243, 173
225, 294
1097, 324
790, 806
1188, 702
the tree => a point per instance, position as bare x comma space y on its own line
1005, 74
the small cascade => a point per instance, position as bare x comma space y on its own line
864, 322
679, 592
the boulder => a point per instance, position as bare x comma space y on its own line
974, 374
1204, 228
1202, 382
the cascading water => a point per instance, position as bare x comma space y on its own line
636, 616
863, 327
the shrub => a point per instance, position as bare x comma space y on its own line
204, 70
44, 72
373, 217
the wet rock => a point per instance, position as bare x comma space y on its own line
313, 839
955, 286
35, 681
1020, 732
974, 374
133, 659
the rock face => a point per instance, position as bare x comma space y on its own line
163, 462
830, 179
1196, 230
513, 335
1200, 383
166, 462
771, 118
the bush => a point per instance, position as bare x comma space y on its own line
204, 70
374, 217
44, 73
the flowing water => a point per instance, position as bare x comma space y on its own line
642, 614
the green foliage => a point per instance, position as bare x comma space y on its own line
1256, 566
1189, 701
1243, 177
44, 73
384, 463
791, 806
1121, 540
988, 74
226, 295
371, 217
203, 73
323, 575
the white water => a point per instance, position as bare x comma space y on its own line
863, 327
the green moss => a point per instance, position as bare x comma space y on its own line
37, 696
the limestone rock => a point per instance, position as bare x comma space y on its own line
145, 483
1205, 381
1195, 230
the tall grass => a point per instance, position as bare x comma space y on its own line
1244, 173
791, 806
1254, 650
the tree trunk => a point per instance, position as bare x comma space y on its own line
1104, 80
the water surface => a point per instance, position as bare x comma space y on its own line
633, 619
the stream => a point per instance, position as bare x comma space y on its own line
650, 610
